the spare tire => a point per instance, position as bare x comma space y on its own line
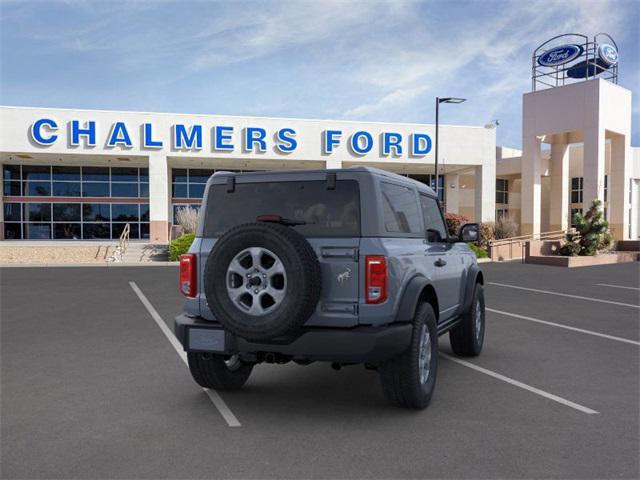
262, 281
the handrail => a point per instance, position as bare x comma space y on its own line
123, 244
534, 236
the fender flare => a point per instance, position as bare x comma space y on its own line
410, 297
474, 275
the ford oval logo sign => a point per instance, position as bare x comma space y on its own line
560, 55
608, 54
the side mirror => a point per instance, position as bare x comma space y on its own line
469, 232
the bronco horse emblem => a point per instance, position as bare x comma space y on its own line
346, 275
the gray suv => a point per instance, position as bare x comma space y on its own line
344, 266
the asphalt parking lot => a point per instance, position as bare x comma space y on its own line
93, 388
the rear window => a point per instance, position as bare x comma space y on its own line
327, 213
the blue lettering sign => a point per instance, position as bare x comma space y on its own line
391, 140
253, 136
330, 139
186, 139
221, 137
147, 138
119, 136
89, 131
36, 131
421, 144
357, 146
286, 141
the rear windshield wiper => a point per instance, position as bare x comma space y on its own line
281, 220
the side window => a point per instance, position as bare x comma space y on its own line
400, 209
432, 216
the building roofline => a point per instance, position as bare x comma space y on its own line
16, 107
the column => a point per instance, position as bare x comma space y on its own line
593, 167
559, 196
1, 208
333, 163
452, 192
159, 198
618, 188
531, 188
485, 191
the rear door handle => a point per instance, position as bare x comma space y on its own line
440, 263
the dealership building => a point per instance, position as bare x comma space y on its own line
85, 174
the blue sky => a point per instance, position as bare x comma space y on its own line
368, 60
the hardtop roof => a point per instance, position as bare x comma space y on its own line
357, 169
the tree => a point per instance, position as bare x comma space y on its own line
591, 235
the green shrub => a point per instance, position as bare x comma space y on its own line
570, 249
180, 245
592, 233
480, 252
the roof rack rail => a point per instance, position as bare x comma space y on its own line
331, 181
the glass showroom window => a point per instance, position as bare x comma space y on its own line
189, 182
431, 181
576, 189
502, 191
74, 221
63, 181
178, 206
65, 214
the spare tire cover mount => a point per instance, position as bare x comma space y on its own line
262, 280
256, 280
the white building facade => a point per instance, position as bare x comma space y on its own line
85, 174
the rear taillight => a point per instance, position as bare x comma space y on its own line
188, 271
375, 279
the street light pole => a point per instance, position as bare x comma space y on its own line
438, 102
437, 143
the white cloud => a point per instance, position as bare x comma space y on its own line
361, 60
489, 55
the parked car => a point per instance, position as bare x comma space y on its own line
350, 266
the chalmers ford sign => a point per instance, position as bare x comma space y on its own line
222, 138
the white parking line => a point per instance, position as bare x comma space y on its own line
524, 386
216, 399
616, 286
552, 324
590, 299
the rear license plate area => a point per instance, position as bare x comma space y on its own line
206, 340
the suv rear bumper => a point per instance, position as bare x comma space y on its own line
362, 344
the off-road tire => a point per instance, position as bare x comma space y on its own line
464, 338
210, 371
303, 281
400, 376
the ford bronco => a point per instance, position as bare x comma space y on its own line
345, 266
